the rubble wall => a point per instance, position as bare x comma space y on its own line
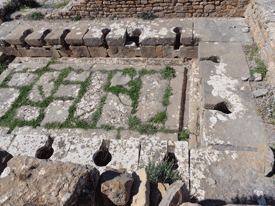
160, 8
261, 19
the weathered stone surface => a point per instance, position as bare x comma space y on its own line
176, 194
75, 77
77, 31
152, 150
117, 35
33, 181
57, 111
27, 144
80, 51
259, 92
114, 113
98, 51
4, 75
22, 79
27, 113
174, 107
221, 30
152, 92
30, 66
18, 34
67, 91
140, 189
133, 135
120, 79
118, 190
7, 97
7, 28
234, 168
91, 100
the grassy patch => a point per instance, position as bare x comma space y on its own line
168, 93
63, 74
136, 125
35, 16
143, 72
57, 6
168, 72
261, 68
166, 131
77, 18
107, 127
184, 134
147, 16
3, 67
16, 5
118, 132
41, 92
162, 172
134, 93
131, 72
52, 61
96, 116
160, 117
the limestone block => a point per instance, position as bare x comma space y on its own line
22, 79
80, 51
148, 51
10, 50
97, 51
27, 113
18, 67
77, 32
7, 97
47, 182
18, 34
58, 34
140, 189
67, 91
133, 135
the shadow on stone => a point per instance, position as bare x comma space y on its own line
102, 157
46, 151
4, 158
222, 107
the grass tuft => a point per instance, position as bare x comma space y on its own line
143, 72
131, 72
168, 72
160, 117
35, 16
184, 134
168, 93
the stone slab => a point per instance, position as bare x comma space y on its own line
7, 97
18, 34
18, 67
70, 90
174, 107
77, 32
22, 79
27, 113
231, 57
114, 113
58, 33
7, 27
133, 135
27, 144
77, 77
6, 140
57, 111
5, 74
212, 171
221, 30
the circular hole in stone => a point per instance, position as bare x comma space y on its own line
102, 157
46, 151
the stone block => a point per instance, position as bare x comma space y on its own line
47, 182
58, 34
148, 51
77, 32
79, 51
22, 79
10, 50
18, 34
97, 51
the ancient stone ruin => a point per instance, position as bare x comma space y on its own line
173, 106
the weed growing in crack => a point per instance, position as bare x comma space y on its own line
77, 18
143, 72
268, 106
261, 68
184, 134
96, 116
133, 123
160, 117
52, 61
168, 72
41, 92
107, 127
6, 80
35, 16
134, 92
168, 93
166, 131
3, 67
162, 172
131, 72
63, 74
147, 129
118, 132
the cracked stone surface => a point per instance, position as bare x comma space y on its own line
46, 81
27, 113
7, 97
21, 79
125, 99
70, 90
114, 113
91, 100
152, 92
57, 111
74, 76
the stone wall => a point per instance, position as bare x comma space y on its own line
261, 19
160, 8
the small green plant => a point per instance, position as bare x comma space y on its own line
143, 72
108, 127
3, 67
57, 6
166, 131
35, 16
131, 72
184, 134
97, 17
91, 17
162, 172
118, 132
168, 93
168, 72
261, 68
77, 18
147, 129
147, 16
41, 92
160, 117
134, 123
